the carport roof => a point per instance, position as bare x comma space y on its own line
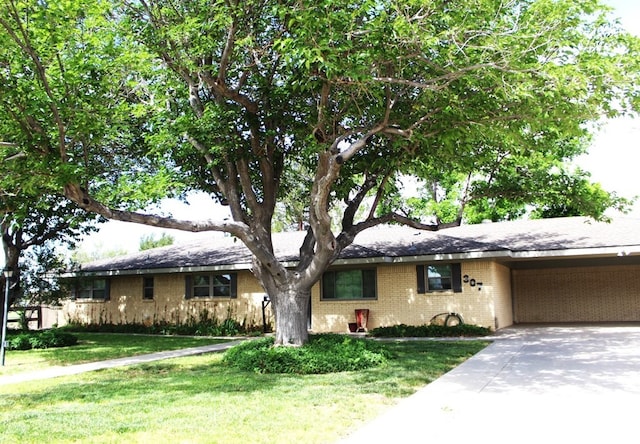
548, 238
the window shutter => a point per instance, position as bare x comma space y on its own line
456, 278
234, 285
369, 283
107, 289
328, 286
422, 288
188, 286
74, 290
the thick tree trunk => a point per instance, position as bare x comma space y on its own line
291, 308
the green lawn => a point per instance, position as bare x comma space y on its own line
96, 347
199, 400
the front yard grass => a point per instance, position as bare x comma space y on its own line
199, 400
97, 347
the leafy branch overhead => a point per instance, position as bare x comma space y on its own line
259, 103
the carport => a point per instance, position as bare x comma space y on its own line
576, 290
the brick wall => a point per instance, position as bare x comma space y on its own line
586, 294
397, 301
502, 296
169, 304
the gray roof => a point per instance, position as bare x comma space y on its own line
548, 238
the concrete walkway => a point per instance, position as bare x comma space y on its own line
54, 372
531, 385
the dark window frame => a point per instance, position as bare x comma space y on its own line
369, 284
455, 278
92, 289
208, 285
148, 288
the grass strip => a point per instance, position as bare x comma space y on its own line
200, 400
97, 347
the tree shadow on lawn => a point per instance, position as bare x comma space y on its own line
94, 347
411, 366
162, 379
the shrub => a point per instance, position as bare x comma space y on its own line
325, 353
207, 327
41, 339
20, 342
429, 331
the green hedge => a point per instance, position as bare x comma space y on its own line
41, 339
429, 331
211, 327
324, 353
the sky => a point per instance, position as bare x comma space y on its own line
613, 161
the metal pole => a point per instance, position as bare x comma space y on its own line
5, 316
265, 301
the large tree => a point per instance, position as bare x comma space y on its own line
34, 224
126, 102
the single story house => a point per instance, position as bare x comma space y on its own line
492, 274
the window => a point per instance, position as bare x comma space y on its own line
92, 289
349, 284
208, 285
147, 288
439, 277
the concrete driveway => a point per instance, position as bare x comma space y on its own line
552, 384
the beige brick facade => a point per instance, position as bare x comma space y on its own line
397, 301
126, 304
585, 294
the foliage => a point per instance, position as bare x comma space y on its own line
121, 104
34, 229
325, 353
209, 327
40, 267
540, 189
83, 255
429, 331
149, 241
41, 339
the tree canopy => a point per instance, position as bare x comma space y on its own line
123, 103
34, 222
149, 241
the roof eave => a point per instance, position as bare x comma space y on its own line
438, 257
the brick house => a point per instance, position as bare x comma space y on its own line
494, 275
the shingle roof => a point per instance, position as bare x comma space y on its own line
485, 240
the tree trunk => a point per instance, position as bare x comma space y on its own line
291, 308
11, 262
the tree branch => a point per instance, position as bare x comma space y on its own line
353, 205
25, 45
